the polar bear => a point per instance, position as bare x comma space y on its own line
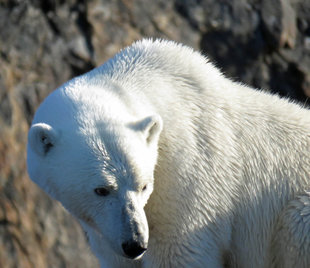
165, 162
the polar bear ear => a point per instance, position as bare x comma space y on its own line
150, 127
42, 138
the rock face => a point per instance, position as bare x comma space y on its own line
44, 43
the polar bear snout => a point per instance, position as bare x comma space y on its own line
135, 227
133, 249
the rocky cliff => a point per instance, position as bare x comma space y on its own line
44, 43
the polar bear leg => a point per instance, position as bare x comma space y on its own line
291, 241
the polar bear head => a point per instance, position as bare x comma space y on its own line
88, 152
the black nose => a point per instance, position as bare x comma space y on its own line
133, 249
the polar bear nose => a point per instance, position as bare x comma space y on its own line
133, 249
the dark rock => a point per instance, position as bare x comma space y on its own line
279, 21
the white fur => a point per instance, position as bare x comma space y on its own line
232, 163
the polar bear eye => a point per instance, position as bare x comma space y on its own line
101, 191
144, 187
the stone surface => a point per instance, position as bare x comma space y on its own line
44, 43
